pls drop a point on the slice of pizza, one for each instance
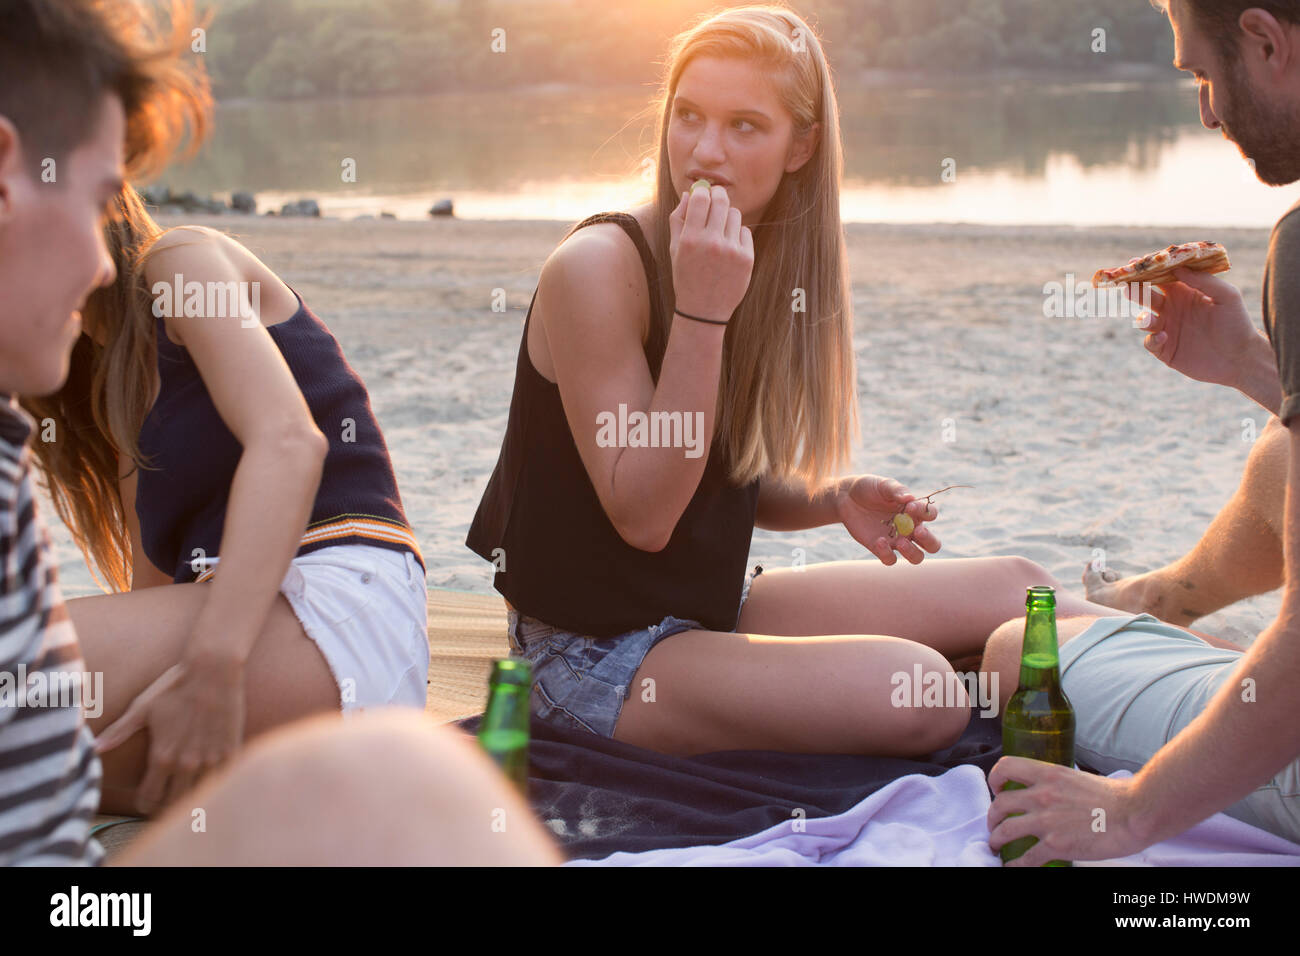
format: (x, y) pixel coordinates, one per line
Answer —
(1158, 267)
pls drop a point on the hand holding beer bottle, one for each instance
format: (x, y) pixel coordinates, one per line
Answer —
(1038, 721)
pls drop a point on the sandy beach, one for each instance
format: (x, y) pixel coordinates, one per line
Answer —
(1073, 436)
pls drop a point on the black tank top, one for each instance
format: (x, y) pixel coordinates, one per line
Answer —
(561, 559)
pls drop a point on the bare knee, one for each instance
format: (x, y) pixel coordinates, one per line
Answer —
(444, 800)
(928, 728)
(1002, 657)
(947, 727)
(1003, 649)
(1027, 573)
(349, 770)
(384, 788)
(360, 757)
(1005, 640)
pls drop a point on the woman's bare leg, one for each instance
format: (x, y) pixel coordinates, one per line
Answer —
(948, 604)
(703, 691)
(827, 658)
(1240, 554)
(387, 788)
(133, 638)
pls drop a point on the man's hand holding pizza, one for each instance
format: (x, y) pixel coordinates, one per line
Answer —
(1198, 325)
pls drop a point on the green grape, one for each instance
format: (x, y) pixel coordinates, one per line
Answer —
(700, 182)
(904, 524)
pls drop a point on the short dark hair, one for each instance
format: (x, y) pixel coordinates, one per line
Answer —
(1220, 18)
(59, 57)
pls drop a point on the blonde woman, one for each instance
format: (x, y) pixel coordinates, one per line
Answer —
(623, 563)
(218, 462)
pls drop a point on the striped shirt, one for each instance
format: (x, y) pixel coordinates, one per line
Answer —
(49, 772)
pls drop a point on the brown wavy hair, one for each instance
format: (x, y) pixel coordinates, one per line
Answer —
(787, 396)
(79, 50)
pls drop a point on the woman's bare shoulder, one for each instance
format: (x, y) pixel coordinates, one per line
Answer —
(598, 262)
(206, 254)
(594, 276)
(207, 242)
(601, 244)
(200, 248)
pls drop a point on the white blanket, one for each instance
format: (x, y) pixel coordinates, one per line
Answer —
(941, 821)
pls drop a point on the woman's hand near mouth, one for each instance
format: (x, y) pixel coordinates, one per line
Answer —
(712, 254)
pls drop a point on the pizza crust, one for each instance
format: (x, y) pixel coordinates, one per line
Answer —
(1158, 267)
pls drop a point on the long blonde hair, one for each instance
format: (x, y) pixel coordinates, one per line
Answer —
(787, 398)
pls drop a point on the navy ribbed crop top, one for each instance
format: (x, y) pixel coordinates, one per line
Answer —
(191, 455)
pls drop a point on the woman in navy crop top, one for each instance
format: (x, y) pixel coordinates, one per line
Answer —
(686, 373)
(218, 461)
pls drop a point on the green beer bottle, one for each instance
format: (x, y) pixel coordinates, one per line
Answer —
(504, 730)
(1038, 721)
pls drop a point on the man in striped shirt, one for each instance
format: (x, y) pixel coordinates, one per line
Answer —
(49, 774)
(55, 180)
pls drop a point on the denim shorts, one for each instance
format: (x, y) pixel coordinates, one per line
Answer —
(581, 682)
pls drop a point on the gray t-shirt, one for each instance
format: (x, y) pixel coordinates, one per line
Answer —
(1282, 307)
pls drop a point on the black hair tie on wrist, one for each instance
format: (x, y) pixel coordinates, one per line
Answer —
(698, 319)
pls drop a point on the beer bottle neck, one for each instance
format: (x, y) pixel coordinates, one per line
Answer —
(507, 708)
(1040, 662)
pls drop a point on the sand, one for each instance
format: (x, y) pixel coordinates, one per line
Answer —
(1073, 436)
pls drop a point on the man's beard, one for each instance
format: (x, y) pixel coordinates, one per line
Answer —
(1270, 139)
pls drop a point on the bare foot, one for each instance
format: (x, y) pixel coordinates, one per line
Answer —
(1140, 594)
(1108, 588)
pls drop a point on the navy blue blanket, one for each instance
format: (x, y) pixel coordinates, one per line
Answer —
(601, 796)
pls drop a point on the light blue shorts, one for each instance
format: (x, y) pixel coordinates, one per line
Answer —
(1135, 682)
(581, 682)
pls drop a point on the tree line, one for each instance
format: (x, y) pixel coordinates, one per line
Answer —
(291, 48)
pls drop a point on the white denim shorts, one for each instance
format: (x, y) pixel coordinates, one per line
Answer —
(366, 609)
